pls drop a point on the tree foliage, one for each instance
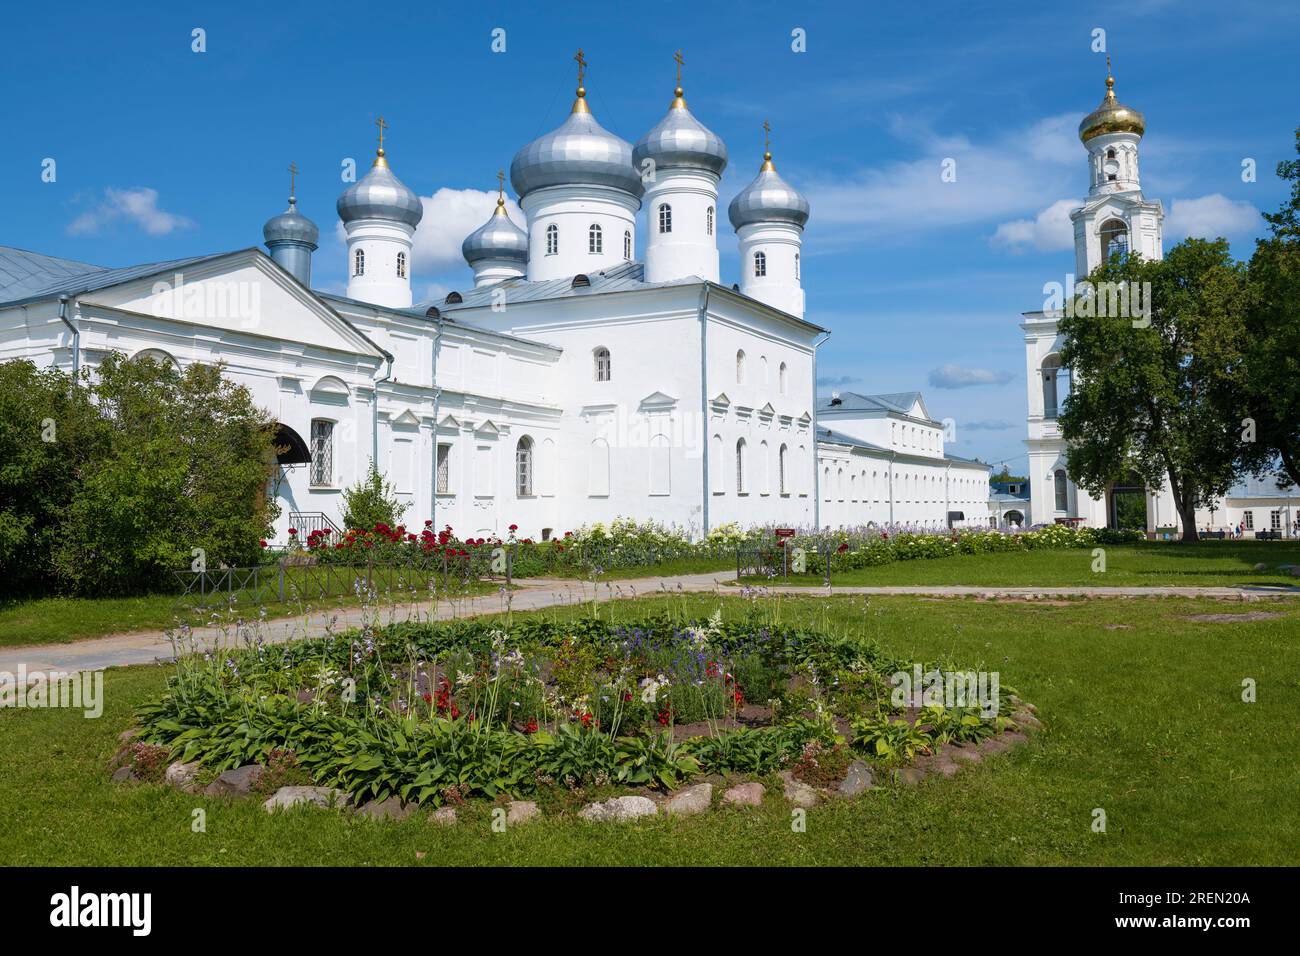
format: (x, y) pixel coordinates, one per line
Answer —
(158, 468)
(1158, 395)
(48, 431)
(1271, 373)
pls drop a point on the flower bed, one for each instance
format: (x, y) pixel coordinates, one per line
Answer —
(438, 714)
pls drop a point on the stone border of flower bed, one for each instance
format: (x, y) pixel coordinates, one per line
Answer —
(242, 782)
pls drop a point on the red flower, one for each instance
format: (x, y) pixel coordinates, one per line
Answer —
(428, 523)
(293, 530)
(514, 527)
(844, 547)
(531, 726)
(264, 542)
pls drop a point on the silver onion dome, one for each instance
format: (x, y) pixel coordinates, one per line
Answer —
(769, 198)
(380, 195)
(579, 152)
(498, 238)
(291, 226)
(680, 141)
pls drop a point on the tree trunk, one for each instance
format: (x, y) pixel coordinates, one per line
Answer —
(1289, 465)
(1187, 512)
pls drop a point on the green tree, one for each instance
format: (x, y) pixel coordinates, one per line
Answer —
(182, 481)
(1271, 367)
(1005, 475)
(372, 500)
(1157, 393)
(49, 429)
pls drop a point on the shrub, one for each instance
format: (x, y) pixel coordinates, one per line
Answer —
(372, 501)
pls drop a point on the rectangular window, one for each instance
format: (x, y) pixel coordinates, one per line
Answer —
(322, 452)
(483, 471)
(1249, 517)
(1275, 519)
(444, 469)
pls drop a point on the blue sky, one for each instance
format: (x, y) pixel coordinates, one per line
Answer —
(163, 152)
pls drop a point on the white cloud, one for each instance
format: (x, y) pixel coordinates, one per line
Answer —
(1050, 231)
(957, 376)
(137, 205)
(1211, 216)
(449, 216)
(1021, 171)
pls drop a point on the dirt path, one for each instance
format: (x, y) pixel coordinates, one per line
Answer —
(146, 647)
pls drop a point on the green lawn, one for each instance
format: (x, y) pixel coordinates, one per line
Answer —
(1205, 564)
(1141, 702)
(58, 620)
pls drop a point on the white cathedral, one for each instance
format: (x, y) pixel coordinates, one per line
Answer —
(592, 370)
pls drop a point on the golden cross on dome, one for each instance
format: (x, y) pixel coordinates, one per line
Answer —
(582, 65)
(382, 126)
(293, 178)
(678, 57)
(767, 141)
(501, 186)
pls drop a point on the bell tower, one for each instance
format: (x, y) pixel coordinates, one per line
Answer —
(1115, 217)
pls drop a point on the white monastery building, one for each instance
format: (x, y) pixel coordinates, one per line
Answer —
(589, 371)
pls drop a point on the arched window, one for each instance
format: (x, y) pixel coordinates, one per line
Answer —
(740, 367)
(359, 263)
(762, 369)
(401, 265)
(524, 467)
(1110, 153)
(783, 378)
(1062, 492)
(1051, 369)
(740, 467)
(601, 356)
(627, 246)
(780, 471)
(665, 217)
(760, 264)
(708, 221)
(552, 239)
(796, 267)
(595, 240)
(1114, 238)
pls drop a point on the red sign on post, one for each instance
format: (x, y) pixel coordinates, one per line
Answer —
(785, 532)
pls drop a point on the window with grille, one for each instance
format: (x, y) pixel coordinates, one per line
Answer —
(552, 240)
(359, 263)
(524, 467)
(601, 356)
(665, 218)
(444, 469)
(627, 246)
(322, 452)
(760, 264)
(401, 265)
(595, 240)
(708, 221)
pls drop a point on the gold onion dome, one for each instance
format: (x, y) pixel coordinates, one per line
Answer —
(1111, 116)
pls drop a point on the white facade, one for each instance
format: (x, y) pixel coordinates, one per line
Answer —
(582, 388)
